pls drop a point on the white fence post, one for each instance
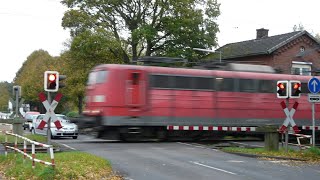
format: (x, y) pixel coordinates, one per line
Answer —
(24, 150)
(33, 155)
(6, 141)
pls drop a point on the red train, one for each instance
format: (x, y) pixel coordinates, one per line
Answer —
(132, 100)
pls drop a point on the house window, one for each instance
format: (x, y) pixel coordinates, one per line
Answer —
(302, 49)
(301, 68)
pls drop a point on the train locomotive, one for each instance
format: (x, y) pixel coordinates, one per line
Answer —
(124, 101)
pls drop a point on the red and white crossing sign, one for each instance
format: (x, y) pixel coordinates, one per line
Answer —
(50, 110)
(289, 119)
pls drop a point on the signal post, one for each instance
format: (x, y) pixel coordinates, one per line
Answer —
(52, 83)
(314, 97)
(286, 90)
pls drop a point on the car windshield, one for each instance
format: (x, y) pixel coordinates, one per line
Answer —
(63, 119)
(30, 115)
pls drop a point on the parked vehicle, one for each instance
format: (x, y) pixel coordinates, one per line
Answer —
(28, 118)
(34, 117)
(68, 129)
(159, 101)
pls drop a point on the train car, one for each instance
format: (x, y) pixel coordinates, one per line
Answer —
(130, 100)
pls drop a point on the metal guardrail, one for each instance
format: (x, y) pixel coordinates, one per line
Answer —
(24, 152)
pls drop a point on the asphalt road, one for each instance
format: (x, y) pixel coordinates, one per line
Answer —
(176, 160)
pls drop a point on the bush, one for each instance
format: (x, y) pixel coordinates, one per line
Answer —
(72, 114)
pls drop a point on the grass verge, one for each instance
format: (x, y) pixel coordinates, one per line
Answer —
(69, 165)
(311, 155)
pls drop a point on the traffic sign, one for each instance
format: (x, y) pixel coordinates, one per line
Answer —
(314, 98)
(314, 85)
(50, 111)
(289, 119)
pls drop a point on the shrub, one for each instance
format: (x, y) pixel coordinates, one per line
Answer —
(72, 114)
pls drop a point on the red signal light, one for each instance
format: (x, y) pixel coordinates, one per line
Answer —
(51, 81)
(295, 89)
(296, 86)
(282, 89)
(52, 77)
(281, 86)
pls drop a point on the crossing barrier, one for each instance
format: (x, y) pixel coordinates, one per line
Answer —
(24, 152)
(299, 137)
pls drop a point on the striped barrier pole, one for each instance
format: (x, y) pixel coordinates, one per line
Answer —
(52, 157)
(15, 146)
(24, 150)
(210, 128)
(6, 148)
(310, 127)
(33, 155)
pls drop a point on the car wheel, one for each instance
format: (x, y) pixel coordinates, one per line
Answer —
(75, 137)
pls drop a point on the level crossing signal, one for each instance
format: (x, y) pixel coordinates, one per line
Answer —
(282, 89)
(53, 81)
(288, 89)
(295, 89)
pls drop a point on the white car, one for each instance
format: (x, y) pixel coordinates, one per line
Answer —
(68, 129)
(28, 119)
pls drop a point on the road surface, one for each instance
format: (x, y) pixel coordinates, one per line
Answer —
(184, 161)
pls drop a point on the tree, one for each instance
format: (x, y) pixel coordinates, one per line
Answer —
(317, 37)
(4, 95)
(87, 49)
(147, 27)
(30, 75)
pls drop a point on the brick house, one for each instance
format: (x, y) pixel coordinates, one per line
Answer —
(291, 53)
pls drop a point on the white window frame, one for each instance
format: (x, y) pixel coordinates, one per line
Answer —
(301, 65)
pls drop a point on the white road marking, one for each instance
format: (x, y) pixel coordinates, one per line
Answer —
(279, 161)
(196, 145)
(210, 167)
(247, 144)
(68, 146)
(127, 178)
(235, 161)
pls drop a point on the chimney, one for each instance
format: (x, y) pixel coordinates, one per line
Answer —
(262, 33)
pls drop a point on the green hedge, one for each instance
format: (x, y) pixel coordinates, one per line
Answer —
(72, 114)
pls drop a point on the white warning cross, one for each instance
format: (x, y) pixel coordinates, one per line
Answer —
(289, 119)
(50, 111)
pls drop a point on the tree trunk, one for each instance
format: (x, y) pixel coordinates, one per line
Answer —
(80, 98)
(149, 46)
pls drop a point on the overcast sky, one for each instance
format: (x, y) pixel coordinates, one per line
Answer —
(29, 25)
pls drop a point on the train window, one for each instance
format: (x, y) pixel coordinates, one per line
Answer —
(267, 86)
(225, 84)
(92, 78)
(182, 82)
(160, 81)
(204, 83)
(101, 76)
(247, 85)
